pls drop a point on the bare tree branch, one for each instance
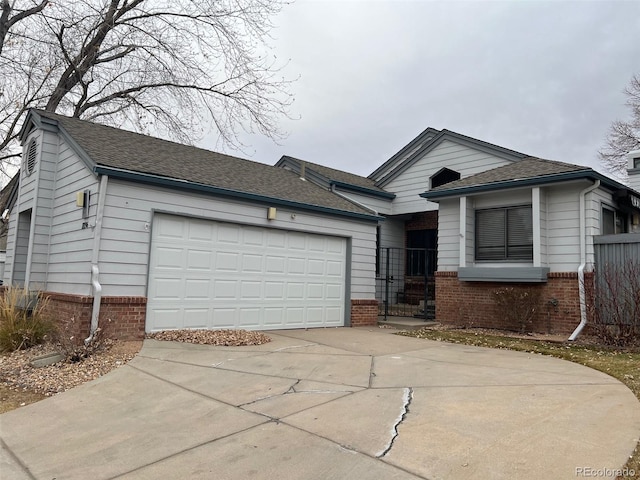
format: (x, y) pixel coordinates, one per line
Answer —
(624, 136)
(174, 68)
(7, 21)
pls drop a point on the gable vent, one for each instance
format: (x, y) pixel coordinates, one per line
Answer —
(32, 153)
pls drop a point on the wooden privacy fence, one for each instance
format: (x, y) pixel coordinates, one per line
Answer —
(617, 279)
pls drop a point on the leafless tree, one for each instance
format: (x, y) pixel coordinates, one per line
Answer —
(176, 68)
(624, 136)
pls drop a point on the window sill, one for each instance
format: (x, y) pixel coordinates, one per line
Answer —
(503, 274)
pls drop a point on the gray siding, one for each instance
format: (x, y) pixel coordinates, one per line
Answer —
(449, 235)
(127, 223)
(22, 248)
(415, 180)
(69, 269)
(43, 210)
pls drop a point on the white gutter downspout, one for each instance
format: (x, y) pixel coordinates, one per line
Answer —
(95, 272)
(583, 260)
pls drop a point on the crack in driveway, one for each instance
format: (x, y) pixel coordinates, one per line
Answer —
(407, 396)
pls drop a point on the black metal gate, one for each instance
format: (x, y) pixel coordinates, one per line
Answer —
(405, 284)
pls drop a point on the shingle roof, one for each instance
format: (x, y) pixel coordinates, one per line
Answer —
(133, 152)
(338, 175)
(527, 168)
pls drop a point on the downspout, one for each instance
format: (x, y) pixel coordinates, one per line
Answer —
(583, 260)
(95, 272)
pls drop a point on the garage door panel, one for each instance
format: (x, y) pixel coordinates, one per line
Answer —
(275, 265)
(274, 291)
(196, 318)
(197, 289)
(250, 290)
(295, 266)
(167, 289)
(225, 290)
(315, 267)
(220, 275)
(273, 317)
(228, 233)
(199, 260)
(201, 232)
(295, 291)
(276, 239)
(315, 291)
(170, 257)
(252, 263)
(166, 318)
(227, 261)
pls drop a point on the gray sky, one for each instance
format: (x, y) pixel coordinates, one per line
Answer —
(543, 78)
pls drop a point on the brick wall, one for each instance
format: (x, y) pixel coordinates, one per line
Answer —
(472, 303)
(120, 317)
(364, 313)
(423, 221)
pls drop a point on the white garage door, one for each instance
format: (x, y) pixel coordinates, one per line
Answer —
(206, 274)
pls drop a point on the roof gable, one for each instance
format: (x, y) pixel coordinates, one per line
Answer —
(148, 159)
(424, 148)
(404, 153)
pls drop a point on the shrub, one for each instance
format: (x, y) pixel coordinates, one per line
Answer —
(74, 347)
(23, 322)
(519, 305)
(616, 304)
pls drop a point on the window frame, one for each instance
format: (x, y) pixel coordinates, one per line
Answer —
(506, 245)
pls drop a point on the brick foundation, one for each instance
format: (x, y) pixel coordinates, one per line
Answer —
(120, 317)
(471, 304)
(364, 313)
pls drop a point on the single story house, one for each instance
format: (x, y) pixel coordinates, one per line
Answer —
(155, 235)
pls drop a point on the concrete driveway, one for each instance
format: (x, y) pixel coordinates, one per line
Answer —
(328, 404)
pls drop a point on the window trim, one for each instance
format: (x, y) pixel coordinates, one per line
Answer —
(506, 257)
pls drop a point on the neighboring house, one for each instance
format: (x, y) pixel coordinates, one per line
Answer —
(633, 169)
(156, 235)
(498, 218)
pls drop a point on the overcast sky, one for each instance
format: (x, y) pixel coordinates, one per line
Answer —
(542, 78)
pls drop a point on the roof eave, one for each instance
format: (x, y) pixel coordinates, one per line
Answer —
(212, 190)
(525, 182)
(367, 191)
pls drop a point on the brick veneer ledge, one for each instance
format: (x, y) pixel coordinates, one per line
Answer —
(471, 304)
(364, 312)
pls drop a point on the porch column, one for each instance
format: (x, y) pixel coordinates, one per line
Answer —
(463, 232)
(537, 233)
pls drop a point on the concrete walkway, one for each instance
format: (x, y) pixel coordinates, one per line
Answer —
(328, 404)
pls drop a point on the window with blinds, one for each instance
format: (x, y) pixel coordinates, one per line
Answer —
(504, 233)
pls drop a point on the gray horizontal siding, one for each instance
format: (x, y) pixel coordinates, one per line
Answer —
(415, 180)
(69, 269)
(128, 219)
